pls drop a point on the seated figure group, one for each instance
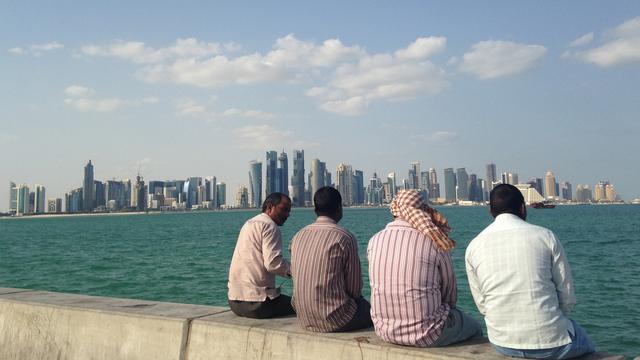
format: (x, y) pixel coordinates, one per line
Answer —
(518, 274)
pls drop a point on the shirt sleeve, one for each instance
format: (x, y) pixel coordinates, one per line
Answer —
(272, 257)
(353, 272)
(561, 276)
(474, 285)
(449, 284)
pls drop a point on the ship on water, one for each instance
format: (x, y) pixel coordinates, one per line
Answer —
(543, 205)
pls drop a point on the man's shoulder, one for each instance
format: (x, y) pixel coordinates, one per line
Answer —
(330, 229)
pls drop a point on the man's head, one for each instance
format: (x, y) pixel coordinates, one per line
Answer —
(507, 199)
(328, 202)
(277, 206)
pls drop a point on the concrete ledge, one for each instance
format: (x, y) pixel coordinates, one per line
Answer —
(47, 325)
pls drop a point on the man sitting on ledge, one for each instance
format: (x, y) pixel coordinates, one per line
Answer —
(257, 259)
(327, 279)
(521, 282)
(413, 285)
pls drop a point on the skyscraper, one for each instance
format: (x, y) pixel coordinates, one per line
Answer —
(345, 183)
(88, 196)
(282, 178)
(610, 193)
(393, 186)
(434, 187)
(242, 197)
(13, 197)
(211, 195)
(221, 191)
(39, 197)
(424, 180)
(22, 199)
(565, 190)
(536, 183)
(462, 189)
(550, 185)
(449, 185)
(414, 175)
(318, 171)
(255, 184)
(374, 193)
(583, 193)
(491, 176)
(358, 188)
(271, 172)
(297, 179)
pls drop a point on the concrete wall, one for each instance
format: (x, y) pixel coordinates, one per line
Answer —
(48, 325)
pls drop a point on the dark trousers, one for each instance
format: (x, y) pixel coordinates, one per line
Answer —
(270, 308)
(362, 318)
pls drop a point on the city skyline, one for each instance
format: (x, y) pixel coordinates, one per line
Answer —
(357, 188)
(200, 88)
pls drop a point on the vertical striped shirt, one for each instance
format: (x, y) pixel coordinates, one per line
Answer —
(326, 275)
(413, 285)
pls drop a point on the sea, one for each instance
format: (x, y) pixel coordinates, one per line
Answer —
(184, 257)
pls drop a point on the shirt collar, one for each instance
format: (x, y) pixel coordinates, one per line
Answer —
(507, 218)
(325, 220)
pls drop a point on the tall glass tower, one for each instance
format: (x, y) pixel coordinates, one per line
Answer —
(462, 179)
(272, 170)
(282, 176)
(255, 183)
(449, 185)
(297, 178)
(87, 188)
(318, 170)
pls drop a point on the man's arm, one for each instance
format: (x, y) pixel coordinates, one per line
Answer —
(272, 257)
(561, 276)
(448, 277)
(474, 285)
(353, 272)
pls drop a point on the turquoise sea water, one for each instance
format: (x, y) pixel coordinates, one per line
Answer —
(184, 257)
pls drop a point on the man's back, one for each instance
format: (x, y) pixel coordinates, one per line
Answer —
(326, 274)
(413, 285)
(521, 281)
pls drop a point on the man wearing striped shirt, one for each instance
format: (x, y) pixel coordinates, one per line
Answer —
(327, 280)
(521, 282)
(413, 285)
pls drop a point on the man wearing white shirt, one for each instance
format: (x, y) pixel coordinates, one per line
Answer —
(521, 282)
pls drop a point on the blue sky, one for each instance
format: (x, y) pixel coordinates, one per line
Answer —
(199, 89)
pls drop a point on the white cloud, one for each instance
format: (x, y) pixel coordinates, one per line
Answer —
(622, 47)
(422, 48)
(255, 114)
(582, 40)
(81, 98)
(343, 79)
(189, 107)
(262, 137)
(78, 91)
(492, 59)
(36, 49)
(17, 51)
(138, 52)
(97, 105)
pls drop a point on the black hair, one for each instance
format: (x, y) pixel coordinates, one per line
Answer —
(505, 198)
(273, 199)
(327, 201)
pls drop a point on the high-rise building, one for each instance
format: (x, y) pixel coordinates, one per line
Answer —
(22, 199)
(475, 191)
(99, 194)
(434, 187)
(242, 197)
(374, 193)
(462, 188)
(610, 193)
(191, 191)
(565, 190)
(38, 201)
(271, 172)
(282, 176)
(424, 180)
(345, 183)
(583, 193)
(54, 205)
(255, 184)
(221, 191)
(74, 201)
(115, 195)
(317, 180)
(510, 178)
(491, 177)
(358, 188)
(139, 190)
(13, 197)
(536, 183)
(449, 185)
(550, 185)
(88, 195)
(393, 186)
(414, 175)
(297, 179)
(211, 195)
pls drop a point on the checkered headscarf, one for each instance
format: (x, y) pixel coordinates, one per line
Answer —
(409, 206)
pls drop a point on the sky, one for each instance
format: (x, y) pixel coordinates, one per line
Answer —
(200, 88)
